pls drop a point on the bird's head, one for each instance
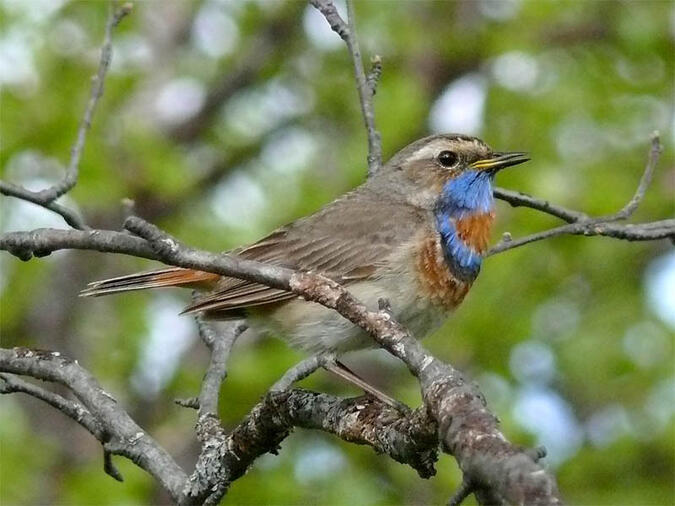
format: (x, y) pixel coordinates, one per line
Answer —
(445, 168)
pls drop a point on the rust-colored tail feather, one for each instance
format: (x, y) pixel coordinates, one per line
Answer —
(174, 276)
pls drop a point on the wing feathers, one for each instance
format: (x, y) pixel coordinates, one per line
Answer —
(344, 241)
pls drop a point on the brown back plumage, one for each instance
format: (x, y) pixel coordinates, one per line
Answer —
(345, 241)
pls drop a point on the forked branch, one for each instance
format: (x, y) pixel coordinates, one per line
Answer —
(46, 197)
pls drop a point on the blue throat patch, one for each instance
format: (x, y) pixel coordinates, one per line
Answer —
(469, 193)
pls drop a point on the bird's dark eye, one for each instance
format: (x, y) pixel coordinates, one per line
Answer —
(447, 158)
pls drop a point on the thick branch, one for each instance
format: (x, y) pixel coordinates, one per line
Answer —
(468, 430)
(407, 439)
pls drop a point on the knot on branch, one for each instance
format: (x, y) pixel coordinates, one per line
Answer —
(161, 242)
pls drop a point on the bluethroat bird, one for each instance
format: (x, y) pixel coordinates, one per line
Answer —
(414, 233)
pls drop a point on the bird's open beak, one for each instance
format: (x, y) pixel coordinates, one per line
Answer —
(499, 161)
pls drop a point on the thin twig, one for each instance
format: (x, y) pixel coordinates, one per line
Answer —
(109, 466)
(365, 87)
(650, 231)
(519, 199)
(70, 216)
(582, 224)
(46, 197)
(645, 180)
(50, 194)
(73, 409)
(301, 370)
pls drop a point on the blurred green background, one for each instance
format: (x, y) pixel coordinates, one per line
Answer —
(222, 120)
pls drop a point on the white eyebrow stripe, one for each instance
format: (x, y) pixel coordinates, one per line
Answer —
(430, 150)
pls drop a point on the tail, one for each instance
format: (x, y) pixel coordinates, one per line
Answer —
(174, 276)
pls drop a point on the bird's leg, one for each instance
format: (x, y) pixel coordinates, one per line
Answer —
(341, 370)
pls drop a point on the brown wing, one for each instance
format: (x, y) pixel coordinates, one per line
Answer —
(346, 241)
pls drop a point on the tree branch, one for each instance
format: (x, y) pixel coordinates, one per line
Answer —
(301, 370)
(407, 439)
(72, 409)
(119, 433)
(221, 346)
(664, 229)
(518, 199)
(46, 197)
(446, 393)
(455, 412)
(581, 224)
(365, 85)
(489, 462)
(646, 179)
(70, 216)
(466, 427)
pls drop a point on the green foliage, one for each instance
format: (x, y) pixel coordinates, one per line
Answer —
(581, 85)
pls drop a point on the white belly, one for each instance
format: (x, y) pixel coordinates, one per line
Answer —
(315, 328)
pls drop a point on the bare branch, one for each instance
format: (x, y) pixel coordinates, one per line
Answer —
(518, 199)
(121, 434)
(50, 194)
(664, 229)
(70, 216)
(301, 370)
(454, 412)
(582, 224)
(484, 454)
(44, 241)
(468, 430)
(72, 409)
(221, 347)
(46, 197)
(366, 86)
(109, 467)
(407, 439)
(646, 179)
